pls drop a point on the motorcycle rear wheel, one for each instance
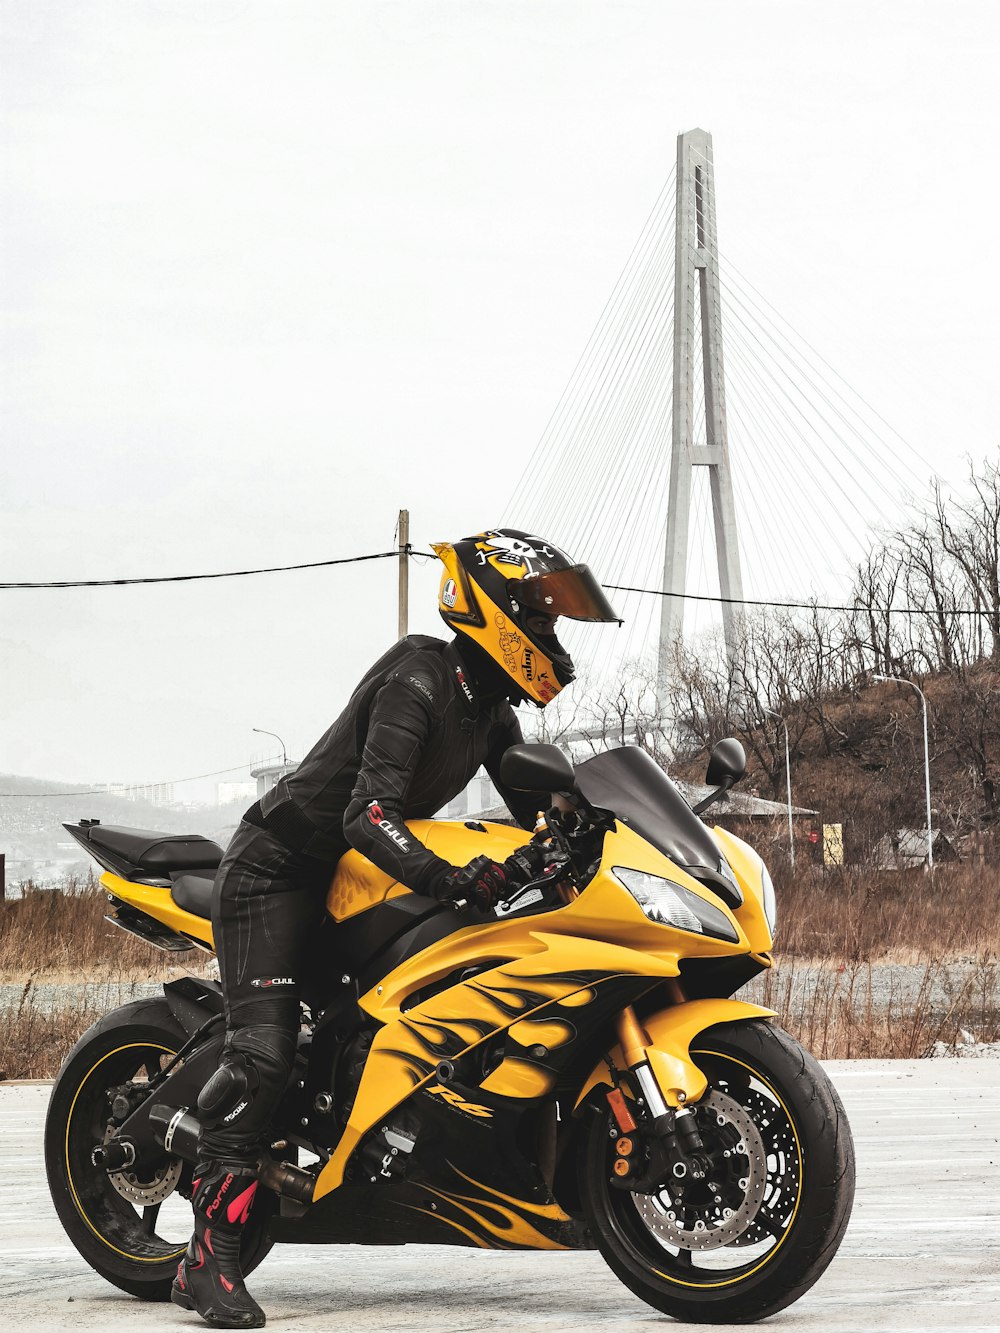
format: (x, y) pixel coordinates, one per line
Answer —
(117, 1236)
(688, 1259)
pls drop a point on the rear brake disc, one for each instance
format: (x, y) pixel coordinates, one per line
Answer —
(159, 1186)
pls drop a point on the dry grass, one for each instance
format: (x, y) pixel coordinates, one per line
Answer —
(61, 933)
(49, 936)
(849, 1015)
(34, 1042)
(856, 916)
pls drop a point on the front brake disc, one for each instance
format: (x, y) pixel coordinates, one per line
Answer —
(717, 1217)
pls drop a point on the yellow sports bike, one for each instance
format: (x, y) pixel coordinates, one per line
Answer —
(566, 1072)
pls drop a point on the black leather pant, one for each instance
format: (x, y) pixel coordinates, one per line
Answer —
(268, 903)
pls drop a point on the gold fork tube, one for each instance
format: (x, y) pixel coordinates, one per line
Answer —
(632, 1037)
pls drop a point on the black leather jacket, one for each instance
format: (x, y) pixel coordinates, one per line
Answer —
(416, 730)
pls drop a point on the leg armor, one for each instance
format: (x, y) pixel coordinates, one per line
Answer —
(236, 1104)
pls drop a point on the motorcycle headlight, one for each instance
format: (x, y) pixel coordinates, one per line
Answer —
(671, 904)
(770, 901)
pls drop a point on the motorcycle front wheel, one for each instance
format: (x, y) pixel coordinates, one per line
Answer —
(133, 1226)
(760, 1230)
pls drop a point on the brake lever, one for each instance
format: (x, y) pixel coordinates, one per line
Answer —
(552, 872)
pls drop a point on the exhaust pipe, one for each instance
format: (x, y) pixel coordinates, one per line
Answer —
(177, 1130)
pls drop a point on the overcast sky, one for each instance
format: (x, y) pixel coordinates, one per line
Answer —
(272, 271)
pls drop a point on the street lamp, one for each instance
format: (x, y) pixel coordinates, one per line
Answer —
(284, 753)
(901, 680)
(788, 784)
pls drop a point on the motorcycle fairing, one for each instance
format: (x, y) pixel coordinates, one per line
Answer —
(547, 959)
(155, 901)
(467, 1183)
(458, 1209)
(525, 998)
(749, 870)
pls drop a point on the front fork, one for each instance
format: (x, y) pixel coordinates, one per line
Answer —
(663, 1087)
(666, 1122)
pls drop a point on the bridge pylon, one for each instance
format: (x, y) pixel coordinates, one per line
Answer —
(696, 277)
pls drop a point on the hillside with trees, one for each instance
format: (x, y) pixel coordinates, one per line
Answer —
(925, 607)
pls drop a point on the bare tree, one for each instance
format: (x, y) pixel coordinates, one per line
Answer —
(970, 533)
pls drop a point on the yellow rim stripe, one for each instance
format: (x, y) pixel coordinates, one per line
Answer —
(136, 1258)
(704, 1286)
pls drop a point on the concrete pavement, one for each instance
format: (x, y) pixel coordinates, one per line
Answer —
(922, 1251)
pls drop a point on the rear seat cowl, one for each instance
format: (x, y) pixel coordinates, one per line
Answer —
(157, 852)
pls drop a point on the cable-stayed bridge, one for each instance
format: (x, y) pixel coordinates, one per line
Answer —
(703, 445)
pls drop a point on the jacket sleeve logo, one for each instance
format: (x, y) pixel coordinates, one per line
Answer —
(390, 830)
(421, 686)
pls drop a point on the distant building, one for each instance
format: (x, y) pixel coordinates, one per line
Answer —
(268, 771)
(226, 793)
(154, 793)
(476, 801)
(906, 849)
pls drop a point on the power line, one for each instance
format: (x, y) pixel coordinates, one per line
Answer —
(191, 578)
(103, 791)
(800, 606)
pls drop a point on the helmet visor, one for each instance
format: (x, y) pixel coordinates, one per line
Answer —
(570, 592)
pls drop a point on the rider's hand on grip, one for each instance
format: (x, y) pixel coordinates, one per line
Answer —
(482, 881)
(526, 864)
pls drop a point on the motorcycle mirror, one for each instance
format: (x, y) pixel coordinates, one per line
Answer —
(537, 768)
(727, 763)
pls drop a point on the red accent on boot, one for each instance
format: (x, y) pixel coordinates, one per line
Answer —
(241, 1205)
(208, 1242)
(225, 1282)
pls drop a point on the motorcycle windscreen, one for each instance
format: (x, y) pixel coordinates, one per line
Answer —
(638, 792)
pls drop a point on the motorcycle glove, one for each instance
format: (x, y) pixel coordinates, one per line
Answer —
(487, 882)
(482, 882)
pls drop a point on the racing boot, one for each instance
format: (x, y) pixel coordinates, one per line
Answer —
(209, 1280)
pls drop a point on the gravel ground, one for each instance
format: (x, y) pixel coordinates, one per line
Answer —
(103, 995)
(896, 984)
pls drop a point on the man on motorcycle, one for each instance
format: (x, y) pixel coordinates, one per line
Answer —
(420, 724)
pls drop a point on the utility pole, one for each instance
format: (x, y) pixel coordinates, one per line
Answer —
(284, 753)
(788, 786)
(404, 572)
(3, 877)
(901, 680)
(696, 270)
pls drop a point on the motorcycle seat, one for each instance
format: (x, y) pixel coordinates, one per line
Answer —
(193, 892)
(157, 853)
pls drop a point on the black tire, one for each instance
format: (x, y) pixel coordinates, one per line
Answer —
(805, 1185)
(106, 1228)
